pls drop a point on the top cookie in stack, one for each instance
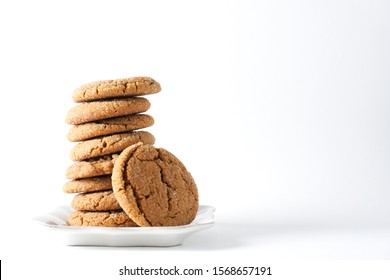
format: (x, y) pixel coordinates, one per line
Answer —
(106, 122)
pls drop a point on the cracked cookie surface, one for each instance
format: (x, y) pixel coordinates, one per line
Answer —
(96, 201)
(134, 86)
(109, 144)
(109, 126)
(88, 185)
(101, 219)
(99, 110)
(91, 167)
(153, 187)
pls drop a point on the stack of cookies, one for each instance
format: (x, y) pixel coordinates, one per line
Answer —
(106, 122)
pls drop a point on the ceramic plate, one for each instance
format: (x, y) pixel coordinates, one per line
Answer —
(125, 236)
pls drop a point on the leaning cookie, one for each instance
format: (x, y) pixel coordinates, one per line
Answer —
(109, 144)
(100, 219)
(95, 129)
(134, 86)
(153, 187)
(99, 110)
(96, 201)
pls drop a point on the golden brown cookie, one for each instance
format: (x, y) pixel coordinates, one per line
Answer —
(100, 219)
(88, 185)
(94, 129)
(116, 88)
(109, 144)
(153, 187)
(96, 201)
(91, 167)
(99, 110)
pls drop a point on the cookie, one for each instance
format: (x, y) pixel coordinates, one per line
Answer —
(96, 201)
(100, 219)
(116, 88)
(88, 185)
(109, 144)
(153, 187)
(91, 167)
(94, 129)
(99, 110)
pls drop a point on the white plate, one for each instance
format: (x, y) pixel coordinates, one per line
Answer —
(125, 236)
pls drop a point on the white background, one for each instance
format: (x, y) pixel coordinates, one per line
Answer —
(279, 109)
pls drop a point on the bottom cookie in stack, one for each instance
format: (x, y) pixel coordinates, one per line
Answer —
(100, 219)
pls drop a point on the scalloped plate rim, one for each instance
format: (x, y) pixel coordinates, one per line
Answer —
(138, 236)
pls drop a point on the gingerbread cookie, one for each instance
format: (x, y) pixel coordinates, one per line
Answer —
(88, 185)
(99, 110)
(153, 187)
(91, 167)
(101, 219)
(109, 144)
(96, 201)
(116, 88)
(94, 129)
